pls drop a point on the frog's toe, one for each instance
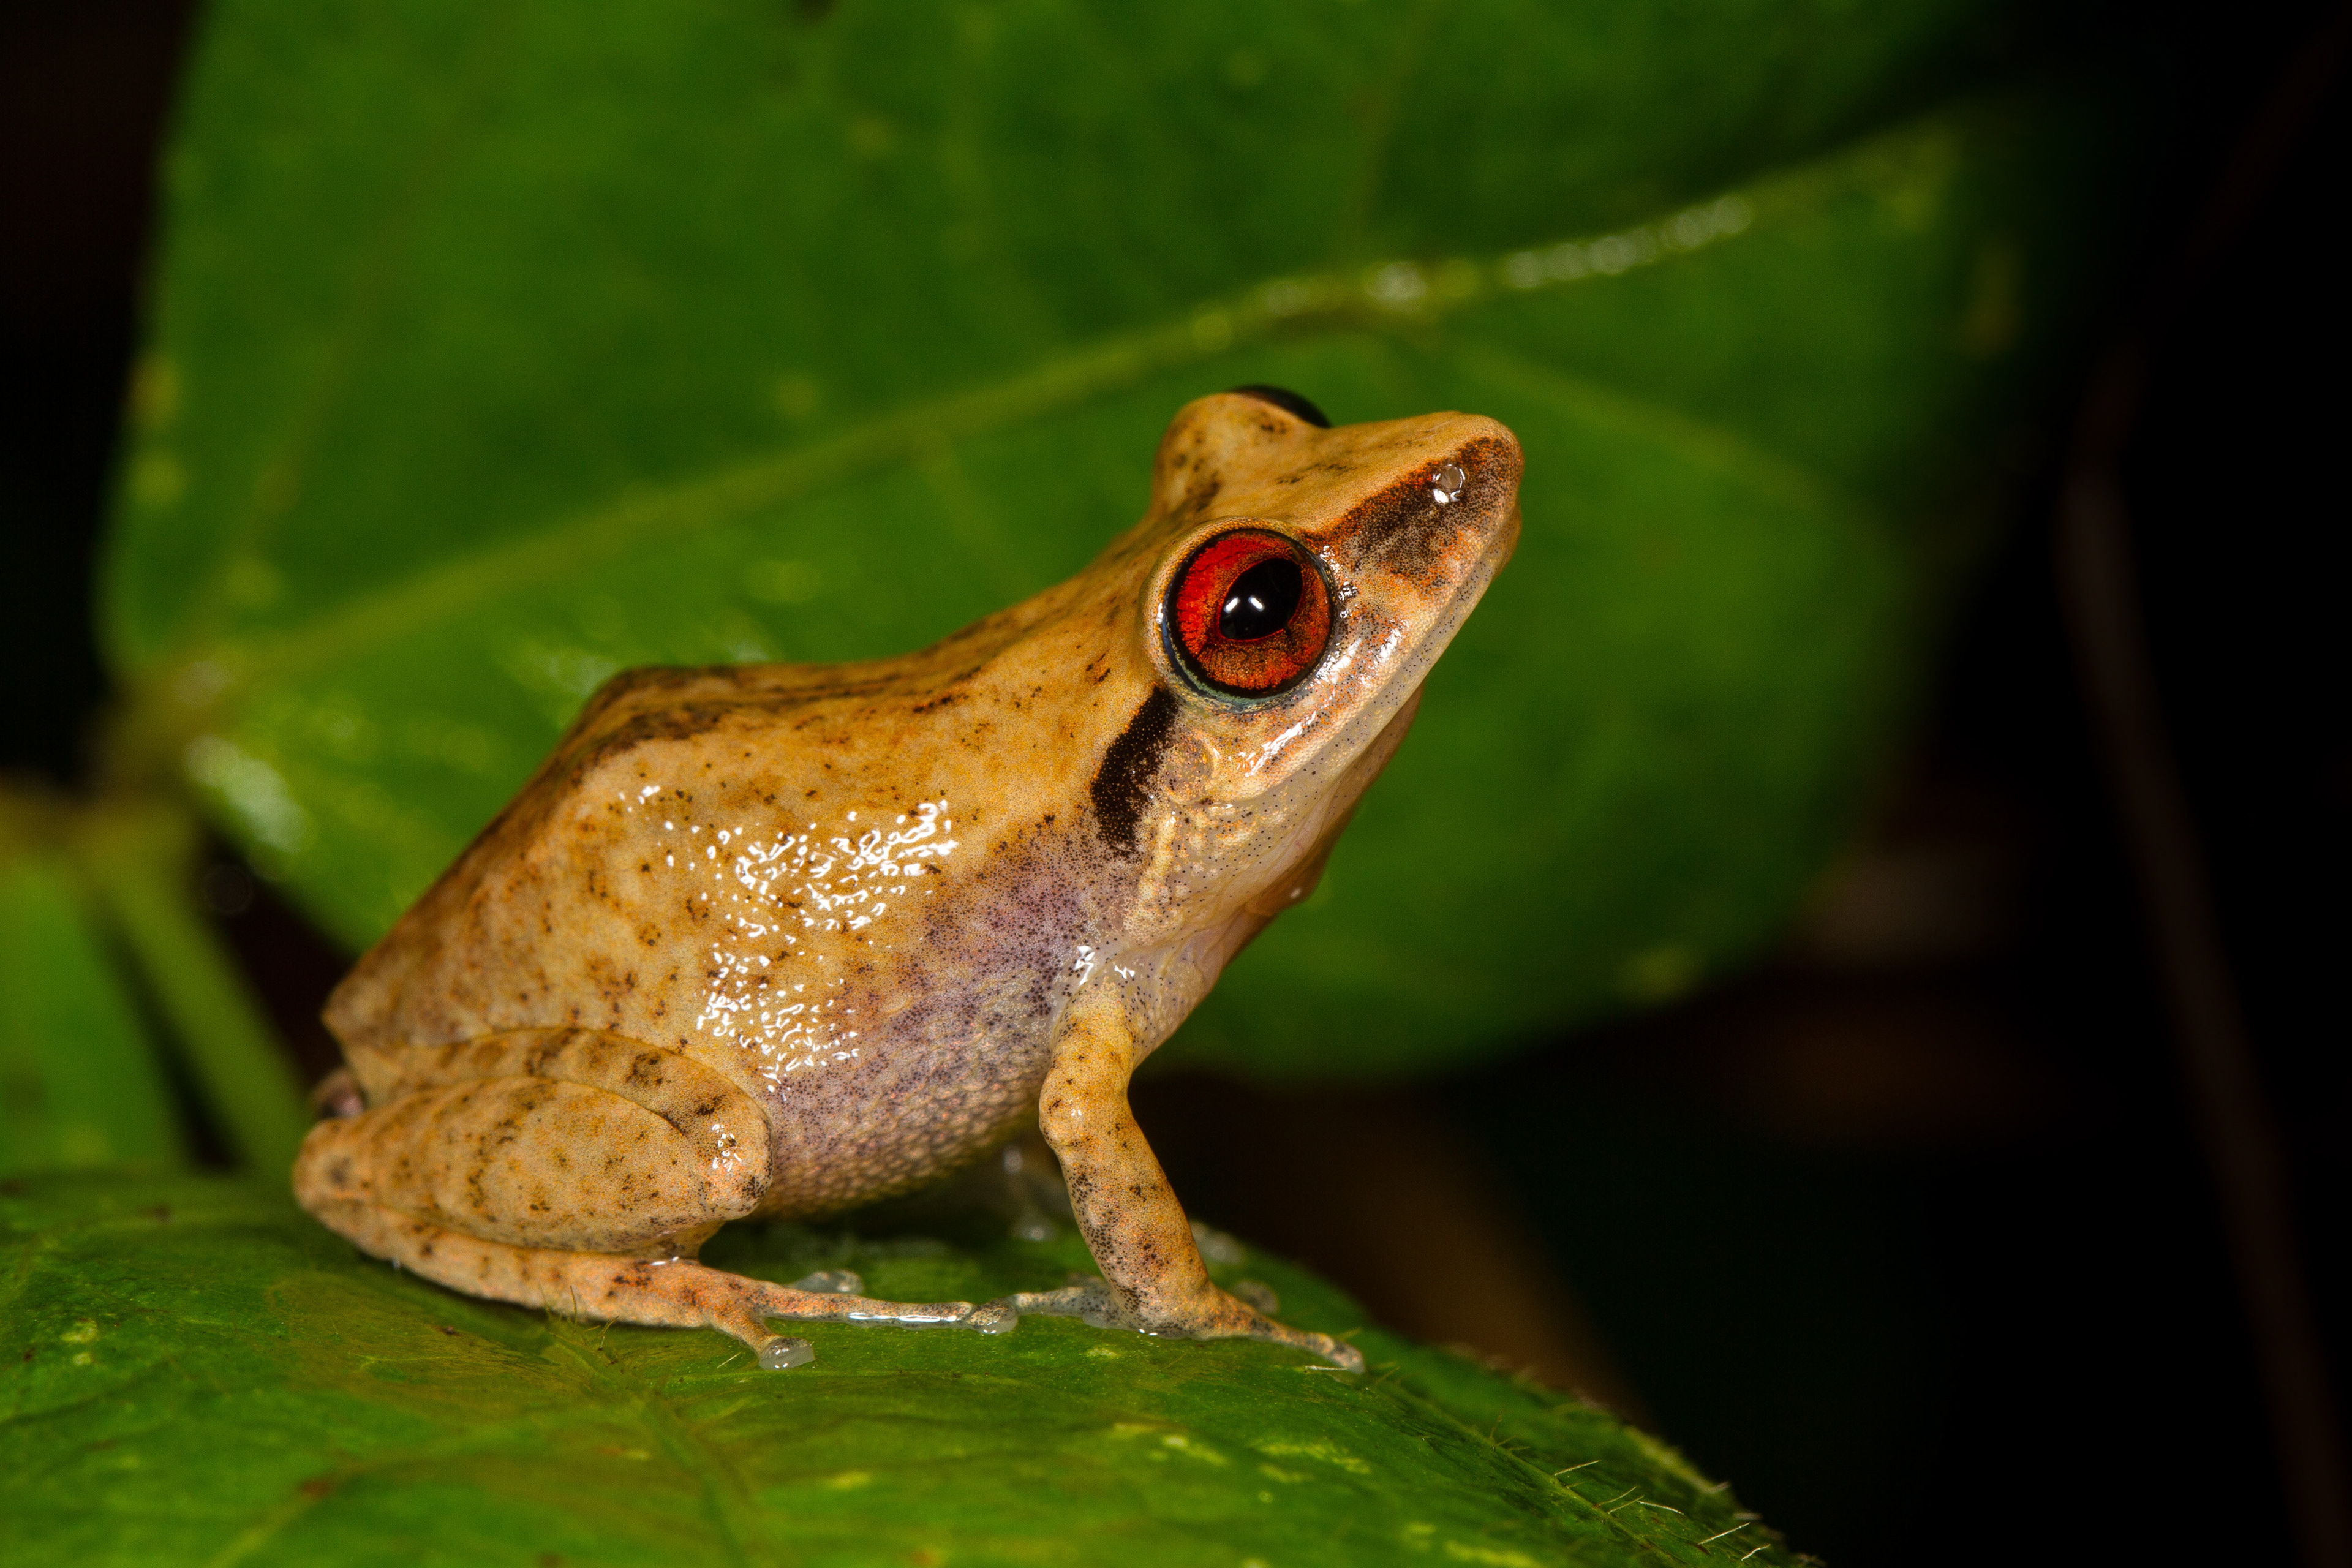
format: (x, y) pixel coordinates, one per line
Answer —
(997, 1316)
(831, 1297)
(742, 1314)
(1092, 1300)
(1258, 1325)
(1089, 1301)
(743, 1308)
(781, 1352)
(1257, 1303)
(1339, 1352)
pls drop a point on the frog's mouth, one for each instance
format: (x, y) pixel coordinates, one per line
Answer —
(1321, 828)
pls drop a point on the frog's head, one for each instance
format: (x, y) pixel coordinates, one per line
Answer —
(1296, 584)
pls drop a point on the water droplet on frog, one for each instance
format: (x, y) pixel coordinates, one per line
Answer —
(782, 1354)
(833, 1282)
(1447, 486)
(994, 1318)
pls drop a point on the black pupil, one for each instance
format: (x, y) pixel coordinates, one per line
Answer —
(1262, 601)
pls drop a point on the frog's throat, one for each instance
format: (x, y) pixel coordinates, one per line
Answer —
(1225, 907)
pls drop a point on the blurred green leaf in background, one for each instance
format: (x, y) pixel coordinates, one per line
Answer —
(497, 347)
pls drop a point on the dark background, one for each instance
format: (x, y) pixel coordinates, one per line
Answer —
(1909, 1232)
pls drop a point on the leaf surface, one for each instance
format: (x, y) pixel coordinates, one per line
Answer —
(197, 1373)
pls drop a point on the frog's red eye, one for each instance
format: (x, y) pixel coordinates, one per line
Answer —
(1249, 614)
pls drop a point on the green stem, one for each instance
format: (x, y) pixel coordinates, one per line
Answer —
(139, 861)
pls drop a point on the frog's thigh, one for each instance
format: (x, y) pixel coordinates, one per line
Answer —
(587, 1148)
(537, 1186)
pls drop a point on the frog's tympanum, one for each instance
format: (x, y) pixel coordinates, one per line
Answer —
(779, 940)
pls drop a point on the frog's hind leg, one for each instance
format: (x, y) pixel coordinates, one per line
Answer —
(598, 1287)
(572, 1170)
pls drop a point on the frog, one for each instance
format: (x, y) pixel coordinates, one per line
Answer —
(778, 941)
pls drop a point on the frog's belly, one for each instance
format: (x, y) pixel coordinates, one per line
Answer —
(893, 1018)
(887, 1110)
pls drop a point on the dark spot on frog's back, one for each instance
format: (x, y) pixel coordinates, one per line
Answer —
(677, 723)
(654, 682)
(1123, 785)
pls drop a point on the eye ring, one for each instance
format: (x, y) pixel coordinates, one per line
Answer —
(1248, 614)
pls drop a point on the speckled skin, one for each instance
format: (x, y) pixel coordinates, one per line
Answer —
(782, 939)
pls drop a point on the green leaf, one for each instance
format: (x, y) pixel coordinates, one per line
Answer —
(194, 1372)
(500, 347)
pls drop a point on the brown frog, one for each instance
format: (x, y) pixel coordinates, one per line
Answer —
(783, 939)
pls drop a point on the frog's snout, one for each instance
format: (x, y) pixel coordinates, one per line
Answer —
(1452, 518)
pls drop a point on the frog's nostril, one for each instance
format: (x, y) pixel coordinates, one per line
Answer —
(1288, 401)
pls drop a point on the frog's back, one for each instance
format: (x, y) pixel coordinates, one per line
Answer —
(850, 889)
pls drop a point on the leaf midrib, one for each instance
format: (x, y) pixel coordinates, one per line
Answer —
(903, 435)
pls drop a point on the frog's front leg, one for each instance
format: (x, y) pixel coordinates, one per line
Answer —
(573, 1170)
(1153, 1281)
